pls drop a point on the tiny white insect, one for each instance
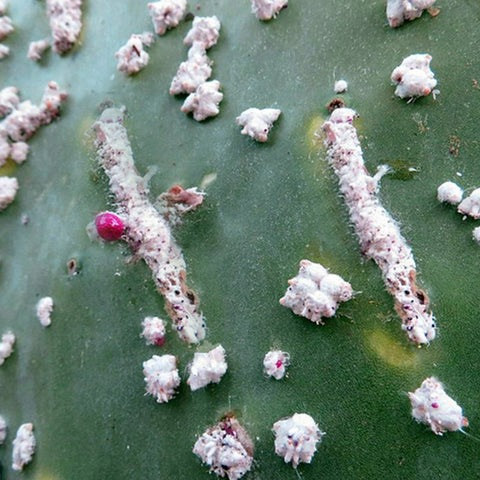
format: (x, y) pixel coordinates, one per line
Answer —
(433, 407)
(257, 122)
(23, 446)
(153, 331)
(205, 31)
(166, 14)
(275, 364)
(207, 368)
(476, 234)
(340, 86)
(314, 293)
(3, 430)
(132, 57)
(296, 438)
(268, 9)
(203, 103)
(6, 346)
(37, 49)
(226, 448)
(414, 77)
(161, 377)
(8, 191)
(44, 309)
(449, 192)
(471, 205)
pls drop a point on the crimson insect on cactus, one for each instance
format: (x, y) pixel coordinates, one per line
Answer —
(109, 226)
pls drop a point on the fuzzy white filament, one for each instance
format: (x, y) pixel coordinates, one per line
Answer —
(226, 448)
(379, 235)
(296, 438)
(23, 446)
(207, 368)
(433, 407)
(147, 232)
(161, 377)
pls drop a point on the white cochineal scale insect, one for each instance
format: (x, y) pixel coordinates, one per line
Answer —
(378, 233)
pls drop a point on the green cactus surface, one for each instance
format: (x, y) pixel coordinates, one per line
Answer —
(267, 206)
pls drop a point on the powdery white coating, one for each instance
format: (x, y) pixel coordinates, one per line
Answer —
(400, 10)
(4, 51)
(203, 103)
(65, 23)
(161, 377)
(147, 232)
(314, 293)
(379, 235)
(268, 9)
(3, 430)
(6, 26)
(37, 49)
(433, 407)
(166, 14)
(8, 191)
(340, 86)
(449, 192)
(296, 438)
(44, 310)
(153, 331)
(8, 100)
(226, 448)
(413, 76)
(205, 31)
(23, 446)
(177, 201)
(257, 123)
(3, 6)
(275, 364)
(132, 57)
(471, 205)
(193, 72)
(207, 368)
(6, 346)
(476, 234)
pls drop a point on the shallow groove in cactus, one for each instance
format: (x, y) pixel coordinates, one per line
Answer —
(80, 381)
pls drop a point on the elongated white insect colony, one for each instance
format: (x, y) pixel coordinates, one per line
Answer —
(379, 235)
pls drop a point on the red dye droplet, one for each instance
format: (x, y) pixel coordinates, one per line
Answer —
(109, 226)
(159, 341)
(279, 363)
(435, 405)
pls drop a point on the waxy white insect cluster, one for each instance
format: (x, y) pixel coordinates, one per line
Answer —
(379, 235)
(8, 191)
(177, 201)
(65, 23)
(226, 448)
(268, 9)
(132, 57)
(6, 28)
(166, 14)
(23, 446)
(296, 438)
(449, 192)
(257, 122)
(6, 346)
(44, 310)
(161, 377)
(340, 86)
(314, 293)
(153, 331)
(147, 232)
(400, 10)
(433, 407)
(275, 364)
(413, 77)
(37, 49)
(207, 368)
(192, 75)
